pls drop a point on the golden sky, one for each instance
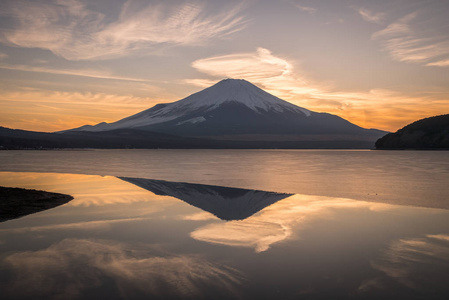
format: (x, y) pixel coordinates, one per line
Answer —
(66, 63)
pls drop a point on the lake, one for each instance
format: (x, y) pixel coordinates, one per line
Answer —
(229, 224)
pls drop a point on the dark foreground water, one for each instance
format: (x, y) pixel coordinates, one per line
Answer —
(187, 235)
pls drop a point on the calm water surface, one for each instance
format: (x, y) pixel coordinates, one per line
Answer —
(156, 224)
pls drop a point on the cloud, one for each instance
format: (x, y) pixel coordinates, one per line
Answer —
(371, 17)
(260, 67)
(416, 38)
(90, 73)
(398, 28)
(307, 9)
(45, 96)
(71, 267)
(441, 63)
(3, 56)
(379, 108)
(69, 29)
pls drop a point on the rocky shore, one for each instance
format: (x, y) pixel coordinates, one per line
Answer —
(17, 202)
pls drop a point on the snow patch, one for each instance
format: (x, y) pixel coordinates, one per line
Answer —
(192, 121)
(240, 91)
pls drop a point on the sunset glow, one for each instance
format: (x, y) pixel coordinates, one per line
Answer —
(67, 63)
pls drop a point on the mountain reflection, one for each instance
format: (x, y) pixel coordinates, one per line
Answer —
(224, 202)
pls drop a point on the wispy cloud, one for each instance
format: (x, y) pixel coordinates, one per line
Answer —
(70, 29)
(375, 108)
(73, 97)
(440, 63)
(3, 56)
(307, 9)
(260, 67)
(91, 73)
(415, 38)
(370, 16)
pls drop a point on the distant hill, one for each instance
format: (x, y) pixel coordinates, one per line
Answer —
(14, 139)
(428, 133)
(113, 139)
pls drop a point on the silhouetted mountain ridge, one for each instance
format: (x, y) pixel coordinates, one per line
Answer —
(143, 139)
(428, 133)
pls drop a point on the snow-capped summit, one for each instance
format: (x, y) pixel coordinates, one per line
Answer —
(241, 91)
(233, 107)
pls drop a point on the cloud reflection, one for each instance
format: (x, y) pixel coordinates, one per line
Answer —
(72, 267)
(276, 223)
(201, 216)
(89, 226)
(252, 233)
(417, 263)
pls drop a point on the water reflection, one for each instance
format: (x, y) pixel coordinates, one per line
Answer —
(277, 222)
(73, 267)
(407, 261)
(224, 202)
(131, 238)
(87, 190)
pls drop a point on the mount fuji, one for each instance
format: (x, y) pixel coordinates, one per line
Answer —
(235, 109)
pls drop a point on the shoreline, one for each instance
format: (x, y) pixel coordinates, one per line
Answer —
(17, 202)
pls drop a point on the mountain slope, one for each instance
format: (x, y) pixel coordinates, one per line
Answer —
(227, 91)
(234, 107)
(428, 133)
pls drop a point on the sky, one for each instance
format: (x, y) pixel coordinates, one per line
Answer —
(67, 63)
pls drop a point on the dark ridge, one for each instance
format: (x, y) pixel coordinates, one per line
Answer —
(426, 134)
(13, 139)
